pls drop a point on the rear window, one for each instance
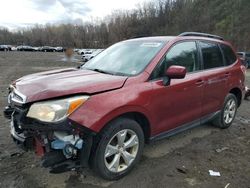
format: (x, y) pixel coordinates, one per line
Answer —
(229, 54)
(211, 54)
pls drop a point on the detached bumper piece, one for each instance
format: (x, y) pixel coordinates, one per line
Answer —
(63, 146)
(8, 112)
(68, 158)
(247, 95)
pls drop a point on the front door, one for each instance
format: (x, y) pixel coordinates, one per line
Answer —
(180, 102)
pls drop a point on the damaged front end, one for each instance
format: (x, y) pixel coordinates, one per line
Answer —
(63, 144)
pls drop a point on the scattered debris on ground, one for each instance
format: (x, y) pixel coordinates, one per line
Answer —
(214, 173)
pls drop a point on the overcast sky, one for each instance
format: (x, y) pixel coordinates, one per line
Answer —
(22, 13)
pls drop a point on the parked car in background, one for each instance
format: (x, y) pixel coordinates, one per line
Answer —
(48, 49)
(85, 51)
(5, 48)
(245, 58)
(37, 49)
(13, 48)
(76, 50)
(80, 51)
(25, 48)
(134, 92)
(9, 47)
(60, 49)
(86, 57)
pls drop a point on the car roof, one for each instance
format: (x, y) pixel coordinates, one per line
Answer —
(155, 38)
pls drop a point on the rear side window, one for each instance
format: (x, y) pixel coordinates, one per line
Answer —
(211, 54)
(229, 55)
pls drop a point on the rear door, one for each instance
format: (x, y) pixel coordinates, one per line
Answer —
(214, 76)
(180, 102)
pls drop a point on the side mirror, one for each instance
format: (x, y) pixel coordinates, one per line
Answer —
(174, 72)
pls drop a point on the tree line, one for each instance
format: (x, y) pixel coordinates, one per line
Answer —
(228, 18)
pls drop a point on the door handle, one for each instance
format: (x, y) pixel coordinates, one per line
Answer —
(227, 74)
(199, 82)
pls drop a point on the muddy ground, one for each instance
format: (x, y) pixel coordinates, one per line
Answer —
(180, 161)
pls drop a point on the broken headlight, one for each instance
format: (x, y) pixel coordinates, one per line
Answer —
(55, 110)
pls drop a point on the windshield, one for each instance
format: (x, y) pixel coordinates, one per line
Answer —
(125, 58)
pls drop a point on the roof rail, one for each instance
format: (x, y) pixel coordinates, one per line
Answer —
(201, 35)
(139, 36)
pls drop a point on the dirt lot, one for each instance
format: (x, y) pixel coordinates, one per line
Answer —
(180, 161)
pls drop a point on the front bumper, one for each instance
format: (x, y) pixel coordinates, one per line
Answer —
(31, 134)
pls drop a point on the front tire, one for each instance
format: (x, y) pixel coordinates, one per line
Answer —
(228, 112)
(119, 149)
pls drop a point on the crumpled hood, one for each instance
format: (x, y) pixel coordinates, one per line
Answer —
(63, 82)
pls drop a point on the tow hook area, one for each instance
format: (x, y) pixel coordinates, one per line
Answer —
(67, 152)
(69, 144)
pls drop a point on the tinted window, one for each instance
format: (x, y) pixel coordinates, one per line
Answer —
(182, 54)
(212, 56)
(228, 54)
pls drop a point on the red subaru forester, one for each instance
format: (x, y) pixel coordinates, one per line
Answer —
(139, 90)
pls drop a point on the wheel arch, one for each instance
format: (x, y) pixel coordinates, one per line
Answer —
(238, 93)
(139, 117)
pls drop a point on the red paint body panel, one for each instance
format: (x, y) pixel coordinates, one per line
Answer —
(166, 107)
(39, 148)
(176, 104)
(64, 82)
(101, 108)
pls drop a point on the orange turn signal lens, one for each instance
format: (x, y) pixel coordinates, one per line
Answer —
(74, 104)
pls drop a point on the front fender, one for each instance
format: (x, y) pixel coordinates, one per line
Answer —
(102, 108)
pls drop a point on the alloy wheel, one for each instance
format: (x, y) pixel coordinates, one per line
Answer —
(121, 150)
(230, 110)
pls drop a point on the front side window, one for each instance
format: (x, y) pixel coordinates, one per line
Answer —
(125, 58)
(183, 54)
(211, 54)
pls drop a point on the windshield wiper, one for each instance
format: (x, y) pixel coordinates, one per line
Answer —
(102, 71)
(107, 72)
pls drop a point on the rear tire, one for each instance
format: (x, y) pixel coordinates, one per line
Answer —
(228, 112)
(119, 149)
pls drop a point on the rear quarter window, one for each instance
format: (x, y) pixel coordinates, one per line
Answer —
(229, 54)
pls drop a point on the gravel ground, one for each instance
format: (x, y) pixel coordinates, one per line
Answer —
(180, 161)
